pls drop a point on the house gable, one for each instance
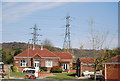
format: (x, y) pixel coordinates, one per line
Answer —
(112, 68)
(115, 59)
(36, 56)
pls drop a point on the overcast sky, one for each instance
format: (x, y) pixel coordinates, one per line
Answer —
(19, 17)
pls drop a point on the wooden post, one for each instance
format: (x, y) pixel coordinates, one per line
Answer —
(78, 70)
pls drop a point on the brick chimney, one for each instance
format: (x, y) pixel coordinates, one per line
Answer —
(41, 46)
(33, 46)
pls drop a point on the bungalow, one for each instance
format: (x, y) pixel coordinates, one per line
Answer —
(87, 64)
(43, 58)
(112, 68)
(84, 65)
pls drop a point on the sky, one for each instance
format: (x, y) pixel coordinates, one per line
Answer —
(19, 17)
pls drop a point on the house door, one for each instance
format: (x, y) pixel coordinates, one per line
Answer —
(65, 66)
(36, 64)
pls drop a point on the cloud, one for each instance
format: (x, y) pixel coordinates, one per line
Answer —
(61, 0)
(15, 11)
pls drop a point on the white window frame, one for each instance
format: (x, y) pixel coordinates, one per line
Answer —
(36, 63)
(23, 63)
(48, 63)
(65, 66)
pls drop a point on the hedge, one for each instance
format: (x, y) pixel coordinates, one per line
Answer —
(43, 68)
(56, 70)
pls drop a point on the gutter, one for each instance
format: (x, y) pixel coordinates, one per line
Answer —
(22, 57)
(41, 57)
(51, 57)
(112, 63)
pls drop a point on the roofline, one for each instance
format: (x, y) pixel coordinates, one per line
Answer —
(116, 57)
(87, 64)
(112, 63)
(36, 54)
(41, 57)
(67, 59)
(51, 57)
(49, 51)
(22, 57)
(60, 52)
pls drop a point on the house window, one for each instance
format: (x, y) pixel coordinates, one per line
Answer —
(23, 63)
(36, 63)
(48, 63)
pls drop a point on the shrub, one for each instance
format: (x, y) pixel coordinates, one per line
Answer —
(43, 68)
(14, 68)
(56, 70)
(74, 67)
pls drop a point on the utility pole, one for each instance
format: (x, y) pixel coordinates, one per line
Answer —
(28, 56)
(35, 36)
(67, 42)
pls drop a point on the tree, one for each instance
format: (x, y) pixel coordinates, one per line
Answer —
(97, 41)
(17, 52)
(3, 56)
(47, 42)
(7, 56)
(112, 53)
(0, 55)
(81, 51)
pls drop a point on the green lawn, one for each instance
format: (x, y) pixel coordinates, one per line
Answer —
(17, 74)
(62, 76)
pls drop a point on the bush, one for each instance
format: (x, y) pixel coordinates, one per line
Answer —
(43, 68)
(14, 68)
(56, 70)
(74, 67)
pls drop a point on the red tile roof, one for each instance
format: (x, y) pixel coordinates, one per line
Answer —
(63, 55)
(87, 60)
(25, 53)
(113, 59)
(44, 53)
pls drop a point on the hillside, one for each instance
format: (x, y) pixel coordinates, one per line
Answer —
(14, 45)
(22, 46)
(9, 50)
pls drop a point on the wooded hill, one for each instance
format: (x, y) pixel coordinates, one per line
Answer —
(14, 46)
(9, 50)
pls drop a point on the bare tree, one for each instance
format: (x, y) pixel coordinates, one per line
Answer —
(97, 41)
(47, 42)
(82, 53)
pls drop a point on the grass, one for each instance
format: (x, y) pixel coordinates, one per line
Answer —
(62, 76)
(17, 74)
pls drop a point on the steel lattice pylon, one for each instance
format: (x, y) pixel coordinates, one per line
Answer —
(35, 35)
(67, 42)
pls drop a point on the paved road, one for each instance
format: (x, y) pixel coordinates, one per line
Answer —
(43, 80)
